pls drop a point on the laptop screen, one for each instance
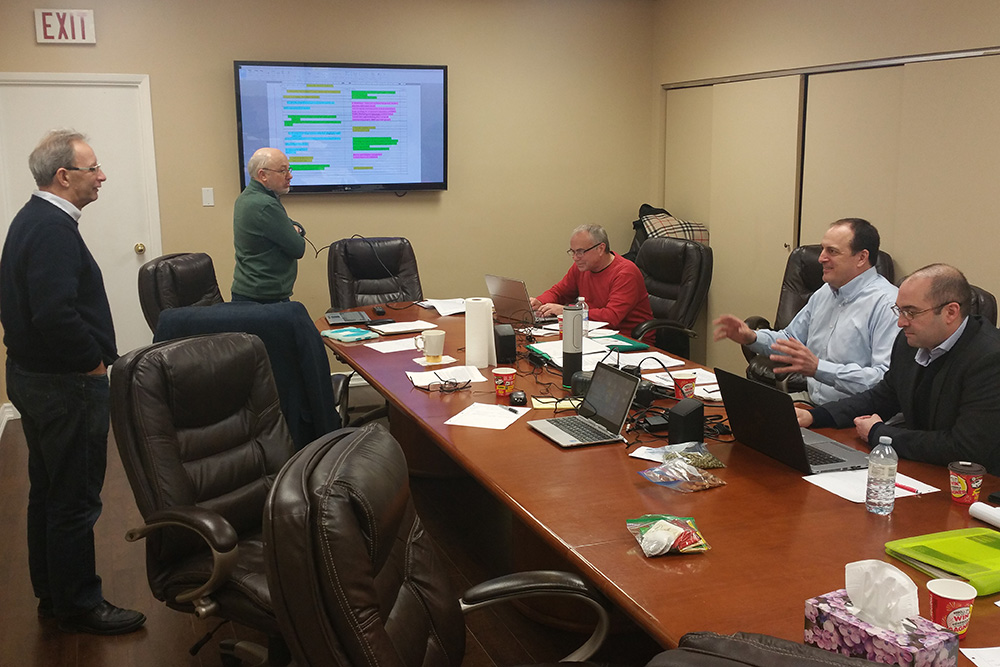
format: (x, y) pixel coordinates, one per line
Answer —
(510, 298)
(609, 397)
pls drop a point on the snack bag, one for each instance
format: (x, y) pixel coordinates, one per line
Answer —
(659, 534)
(678, 475)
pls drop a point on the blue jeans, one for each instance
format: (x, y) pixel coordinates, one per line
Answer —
(65, 419)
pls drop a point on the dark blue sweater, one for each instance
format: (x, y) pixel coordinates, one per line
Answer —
(53, 306)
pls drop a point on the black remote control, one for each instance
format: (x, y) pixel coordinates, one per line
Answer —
(379, 310)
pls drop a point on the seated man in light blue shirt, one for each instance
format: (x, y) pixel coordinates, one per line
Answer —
(842, 339)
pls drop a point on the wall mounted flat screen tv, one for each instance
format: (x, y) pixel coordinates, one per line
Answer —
(347, 127)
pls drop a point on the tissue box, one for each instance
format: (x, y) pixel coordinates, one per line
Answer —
(830, 625)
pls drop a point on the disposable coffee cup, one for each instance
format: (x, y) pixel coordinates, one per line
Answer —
(503, 378)
(683, 384)
(951, 604)
(432, 344)
(966, 479)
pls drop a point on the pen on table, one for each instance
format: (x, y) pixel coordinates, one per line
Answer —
(507, 407)
(904, 487)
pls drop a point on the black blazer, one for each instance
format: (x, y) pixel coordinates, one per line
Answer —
(964, 415)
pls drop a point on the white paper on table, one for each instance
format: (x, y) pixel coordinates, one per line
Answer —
(602, 333)
(396, 345)
(553, 349)
(444, 306)
(459, 374)
(445, 359)
(542, 333)
(654, 454)
(591, 325)
(484, 415)
(633, 359)
(402, 327)
(983, 657)
(853, 484)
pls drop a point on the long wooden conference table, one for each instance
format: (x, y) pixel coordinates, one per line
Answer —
(776, 540)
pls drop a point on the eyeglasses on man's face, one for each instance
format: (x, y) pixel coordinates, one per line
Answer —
(580, 253)
(909, 314)
(96, 167)
(283, 171)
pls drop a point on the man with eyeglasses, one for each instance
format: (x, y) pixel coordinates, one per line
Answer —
(841, 339)
(268, 243)
(948, 391)
(60, 340)
(611, 285)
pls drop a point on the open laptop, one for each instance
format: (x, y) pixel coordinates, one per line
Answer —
(763, 418)
(601, 415)
(511, 301)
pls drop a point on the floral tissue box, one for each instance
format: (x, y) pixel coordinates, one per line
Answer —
(830, 625)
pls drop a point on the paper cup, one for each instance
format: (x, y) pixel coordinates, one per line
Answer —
(683, 384)
(432, 343)
(966, 479)
(503, 378)
(951, 604)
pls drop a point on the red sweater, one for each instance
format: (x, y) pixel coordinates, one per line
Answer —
(616, 294)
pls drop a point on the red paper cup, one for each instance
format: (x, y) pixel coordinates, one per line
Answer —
(503, 378)
(683, 384)
(966, 479)
(951, 604)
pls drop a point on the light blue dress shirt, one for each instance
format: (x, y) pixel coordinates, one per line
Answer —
(851, 330)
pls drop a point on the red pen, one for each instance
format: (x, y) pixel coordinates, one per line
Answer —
(907, 488)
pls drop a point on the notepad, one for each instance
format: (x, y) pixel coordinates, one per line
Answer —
(969, 553)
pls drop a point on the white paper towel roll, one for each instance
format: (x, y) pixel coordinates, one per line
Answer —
(984, 512)
(480, 347)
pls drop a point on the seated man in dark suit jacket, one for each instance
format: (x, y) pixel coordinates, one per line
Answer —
(948, 390)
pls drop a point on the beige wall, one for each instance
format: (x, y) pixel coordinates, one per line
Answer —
(549, 112)
(927, 209)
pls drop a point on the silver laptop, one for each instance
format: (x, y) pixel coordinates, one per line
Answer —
(763, 418)
(601, 415)
(512, 303)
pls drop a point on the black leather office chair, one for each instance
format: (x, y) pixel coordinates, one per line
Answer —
(744, 649)
(172, 281)
(201, 436)
(983, 303)
(356, 580)
(803, 276)
(678, 273)
(368, 271)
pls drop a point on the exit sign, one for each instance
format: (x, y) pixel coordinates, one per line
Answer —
(65, 26)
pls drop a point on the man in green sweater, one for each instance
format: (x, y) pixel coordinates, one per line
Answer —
(268, 243)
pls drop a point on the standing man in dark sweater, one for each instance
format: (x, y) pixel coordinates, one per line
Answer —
(60, 340)
(944, 377)
(268, 243)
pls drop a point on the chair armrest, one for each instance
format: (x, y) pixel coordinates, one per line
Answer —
(544, 582)
(219, 535)
(644, 328)
(757, 322)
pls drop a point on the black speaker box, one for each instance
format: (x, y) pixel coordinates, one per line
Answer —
(687, 422)
(506, 341)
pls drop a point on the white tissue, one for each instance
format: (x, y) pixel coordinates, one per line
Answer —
(881, 593)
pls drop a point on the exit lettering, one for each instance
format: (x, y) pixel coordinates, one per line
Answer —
(65, 26)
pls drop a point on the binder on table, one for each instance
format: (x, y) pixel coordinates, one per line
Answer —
(972, 554)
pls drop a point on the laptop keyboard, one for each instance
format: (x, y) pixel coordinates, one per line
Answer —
(818, 457)
(580, 428)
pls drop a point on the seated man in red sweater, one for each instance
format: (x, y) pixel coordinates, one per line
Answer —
(612, 286)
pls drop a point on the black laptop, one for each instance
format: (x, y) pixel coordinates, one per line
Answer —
(763, 418)
(601, 415)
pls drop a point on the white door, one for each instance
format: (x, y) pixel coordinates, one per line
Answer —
(113, 110)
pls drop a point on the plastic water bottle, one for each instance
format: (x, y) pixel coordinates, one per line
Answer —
(586, 315)
(882, 463)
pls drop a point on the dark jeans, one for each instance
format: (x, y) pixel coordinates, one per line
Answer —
(65, 419)
(240, 297)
